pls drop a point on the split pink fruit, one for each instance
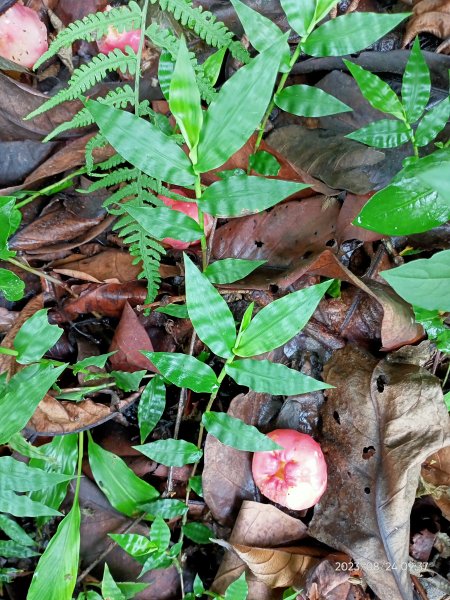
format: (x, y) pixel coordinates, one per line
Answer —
(23, 36)
(191, 210)
(115, 39)
(295, 477)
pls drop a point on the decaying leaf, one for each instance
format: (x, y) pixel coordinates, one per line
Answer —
(436, 475)
(329, 581)
(430, 16)
(379, 423)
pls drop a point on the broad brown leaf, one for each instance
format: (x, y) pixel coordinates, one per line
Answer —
(436, 473)
(430, 16)
(379, 423)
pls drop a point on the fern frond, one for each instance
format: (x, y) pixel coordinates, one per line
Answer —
(205, 25)
(119, 97)
(114, 161)
(165, 39)
(98, 141)
(132, 189)
(94, 25)
(119, 176)
(88, 75)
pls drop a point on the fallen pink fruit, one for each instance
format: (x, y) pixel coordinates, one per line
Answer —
(191, 210)
(23, 36)
(295, 477)
(115, 39)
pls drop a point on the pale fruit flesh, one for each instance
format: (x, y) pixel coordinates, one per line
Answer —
(23, 36)
(295, 477)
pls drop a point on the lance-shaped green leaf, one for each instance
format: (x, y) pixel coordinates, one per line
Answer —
(407, 205)
(151, 406)
(323, 7)
(130, 589)
(424, 282)
(208, 311)
(92, 361)
(15, 531)
(308, 101)
(18, 476)
(264, 163)
(124, 490)
(166, 66)
(110, 589)
(22, 506)
(272, 378)
(10, 218)
(198, 533)
(136, 545)
(299, 15)
(231, 106)
(11, 286)
(10, 549)
(376, 91)
(278, 322)
(35, 337)
(174, 310)
(184, 371)
(432, 123)
(24, 391)
(184, 98)
(164, 222)
(56, 572)
(172, 453)
(385, 133)
(160, 534)
(229, 270)
(237, 434)
(238, 590)
(167, 508)
(241, 195)
(416, 84)
(350, 33)
(142, 144)
(260, 30)
(213, 65)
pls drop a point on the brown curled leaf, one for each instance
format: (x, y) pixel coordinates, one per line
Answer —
(430, 16)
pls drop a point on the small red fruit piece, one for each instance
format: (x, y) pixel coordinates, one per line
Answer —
(23, 36)
(115, 39)
(191, 210)
(295, 477)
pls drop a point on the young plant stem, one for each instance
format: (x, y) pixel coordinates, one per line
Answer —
(137, 79)
(38, 273)
(53, 188)
(201, 220)
(412, 139)
(79, 467)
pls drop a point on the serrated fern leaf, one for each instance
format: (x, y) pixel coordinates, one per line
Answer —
(205, 25)
(165, 39)
(110, 163)
(98, 141)
(94, 26)
(122, 175)
(120, 97)
(88, 75)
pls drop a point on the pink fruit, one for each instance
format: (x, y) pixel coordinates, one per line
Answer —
(23, 36)
(191, 210)
(295, 477)
(113, 39)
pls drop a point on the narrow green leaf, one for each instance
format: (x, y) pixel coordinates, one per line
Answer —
(208, 311)
(160, 534)
(110, 589)
(166, 66)
(10, 218)
(172, 453)
(416, 85)
(184, 98)
(408, 205)
(128, 382)
(231, 106)
(130, 589)
(424, 282)
(165, 222)
(184, 371)
(22, 395)
(350, 33)
(198, 533)
(308, 101)
(299, 15)
(213, 65)
(237, 434)
(198, 586)
(19, 444)
(92, 361)
(323, 7)
(278, 322)
(151, 406)
(158, 560)
(260, 31)
(264, 163)
(237, 590)
(174, 310)
(376, 91)
(272, 378)
(35, 337)
(10, 549)
(124, 490)
(241, 195)
(230, 270)
(18, 476)
(11, 286)
(142, 144)
(56, 572)
(433, 122)
(167, 508)
(196, 485)
(385, 133)
(15, 531)
(22, 506)
(136, 545)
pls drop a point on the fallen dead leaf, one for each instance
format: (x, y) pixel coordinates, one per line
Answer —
(328, 582)
(379, 423)
(436, 473)
(430, 16)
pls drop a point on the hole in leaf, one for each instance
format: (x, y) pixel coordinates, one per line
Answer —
(330, 243)
(336, 417)
(259, 244)
(367, 490)
(368, 452)
(381, 382)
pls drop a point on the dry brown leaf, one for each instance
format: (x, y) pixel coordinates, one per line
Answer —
(436, 473)
(380, 422)
(329, 582)
(430, 16)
